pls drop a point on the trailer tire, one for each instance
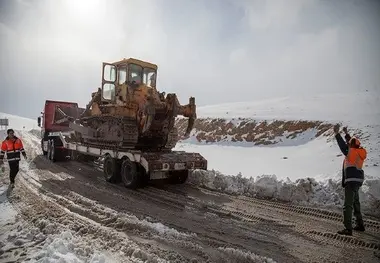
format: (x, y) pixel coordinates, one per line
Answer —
(129, 174)
(111, 169)
(179, 177)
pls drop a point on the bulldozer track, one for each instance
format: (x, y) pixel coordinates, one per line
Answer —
(130, 131)
(332, 238)
(309, 211)
(346, 240)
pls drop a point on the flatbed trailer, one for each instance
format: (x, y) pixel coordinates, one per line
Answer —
(131, 167)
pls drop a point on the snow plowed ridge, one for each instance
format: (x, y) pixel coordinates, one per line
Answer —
(328, 194)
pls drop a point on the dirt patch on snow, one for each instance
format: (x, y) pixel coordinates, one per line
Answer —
(248, 130)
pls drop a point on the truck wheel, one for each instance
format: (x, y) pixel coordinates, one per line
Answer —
(49, 150)
(129, 174)
(42, 148)
(53, 152)
(111, 169)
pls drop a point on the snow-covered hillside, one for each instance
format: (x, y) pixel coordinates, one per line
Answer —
(19, 123)
(288, 137)
(354, 108)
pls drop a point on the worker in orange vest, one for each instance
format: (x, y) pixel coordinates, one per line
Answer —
(352, 179)
(12, 146)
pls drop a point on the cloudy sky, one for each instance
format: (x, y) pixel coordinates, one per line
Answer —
(216, 50)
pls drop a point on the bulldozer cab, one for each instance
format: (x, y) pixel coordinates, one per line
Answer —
(131, 72)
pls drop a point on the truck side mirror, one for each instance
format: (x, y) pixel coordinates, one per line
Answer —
(39, 121)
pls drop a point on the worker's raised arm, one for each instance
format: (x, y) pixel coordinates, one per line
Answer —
(341, 143)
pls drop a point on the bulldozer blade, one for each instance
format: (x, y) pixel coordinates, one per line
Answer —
(190, 125)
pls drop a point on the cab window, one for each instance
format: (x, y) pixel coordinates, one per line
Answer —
(135, 73)
(149, 77)
(122, 75)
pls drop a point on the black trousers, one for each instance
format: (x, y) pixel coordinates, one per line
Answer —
(13, 170)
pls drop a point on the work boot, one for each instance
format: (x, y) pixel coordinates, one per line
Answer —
(346, 232)
(359, 228)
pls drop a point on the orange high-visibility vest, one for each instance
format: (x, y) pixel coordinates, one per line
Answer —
(12, 148)
(355, 158)
(353, 165)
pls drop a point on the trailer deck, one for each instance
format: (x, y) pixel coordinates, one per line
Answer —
(156, 165)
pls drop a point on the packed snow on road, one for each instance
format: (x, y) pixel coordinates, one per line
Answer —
(256, 203)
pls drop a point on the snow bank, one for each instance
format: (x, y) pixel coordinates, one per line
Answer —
(62, 248)
(308, 191)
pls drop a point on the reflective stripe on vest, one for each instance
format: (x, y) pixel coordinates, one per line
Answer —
(14, 159)
(354, 179)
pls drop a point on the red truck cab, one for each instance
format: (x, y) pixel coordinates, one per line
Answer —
(49, 115)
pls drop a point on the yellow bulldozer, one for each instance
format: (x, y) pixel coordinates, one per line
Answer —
(129, 112)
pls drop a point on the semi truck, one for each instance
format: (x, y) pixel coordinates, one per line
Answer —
(132, 167)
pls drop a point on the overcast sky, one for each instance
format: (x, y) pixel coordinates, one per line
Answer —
(216, 50)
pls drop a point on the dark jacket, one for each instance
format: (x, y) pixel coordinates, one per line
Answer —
(350, 172)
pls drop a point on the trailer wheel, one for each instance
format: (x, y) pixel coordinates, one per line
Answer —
(179, 177)
(129, 174)
(111, 169)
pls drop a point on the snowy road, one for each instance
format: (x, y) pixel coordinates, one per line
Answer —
(167, 223)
